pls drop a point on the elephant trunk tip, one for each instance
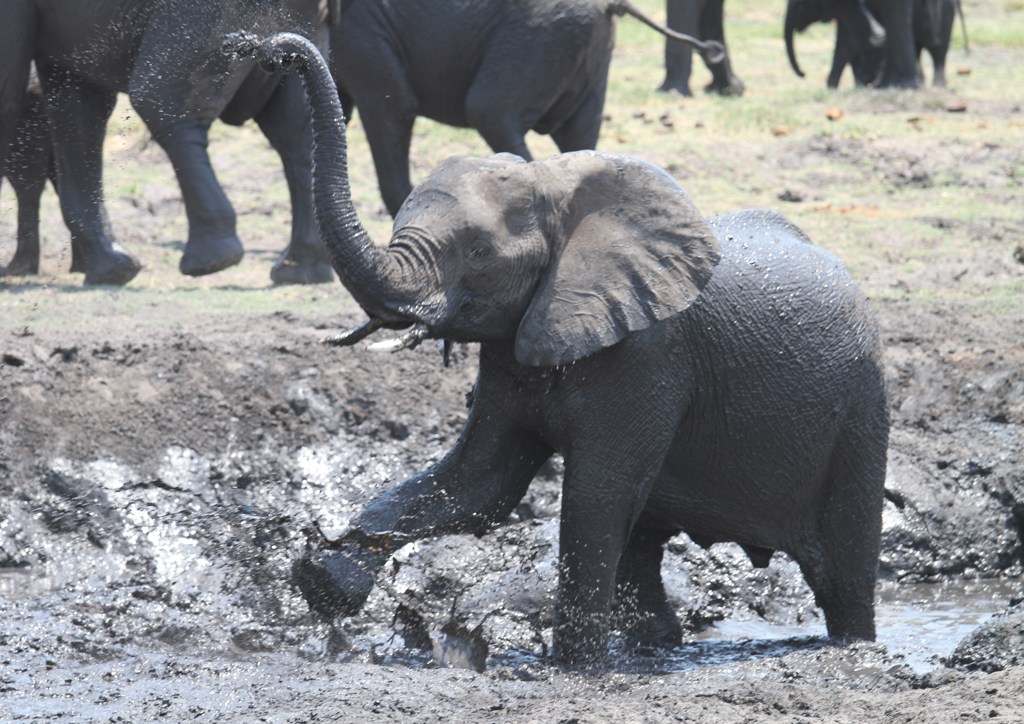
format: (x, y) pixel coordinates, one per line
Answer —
(713, 52)
(240, 44)
(281, 52)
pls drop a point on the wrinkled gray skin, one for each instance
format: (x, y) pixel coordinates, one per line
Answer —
(502, 67)
(164, 54)
(861, 25)
(861, 39)
(719, 377)
(704, 19)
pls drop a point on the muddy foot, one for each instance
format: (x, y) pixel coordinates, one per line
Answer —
(332, 583)
(210, 257)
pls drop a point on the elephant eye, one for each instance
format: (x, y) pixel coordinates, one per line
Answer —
(478, 251)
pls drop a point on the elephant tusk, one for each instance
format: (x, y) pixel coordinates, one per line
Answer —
(347, 339)
(409, 340)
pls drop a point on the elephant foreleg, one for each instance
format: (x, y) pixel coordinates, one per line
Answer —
(78, 112)
(582, 130)
(712, 27)
(479, 482)
(27, 168)
(212, 244)
(17, 41)
(683, 17)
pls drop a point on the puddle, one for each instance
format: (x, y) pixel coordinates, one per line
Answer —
(918, 623)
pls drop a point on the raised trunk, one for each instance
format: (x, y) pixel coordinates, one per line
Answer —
(362, 267)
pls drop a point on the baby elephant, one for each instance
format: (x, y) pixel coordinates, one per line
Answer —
(719, 377)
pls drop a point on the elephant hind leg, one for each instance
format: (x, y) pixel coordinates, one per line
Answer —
(841, 564)
(581, 131)
(642, 609)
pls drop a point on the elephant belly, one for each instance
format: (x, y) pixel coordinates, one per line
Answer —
(76, 35)
(761, 496)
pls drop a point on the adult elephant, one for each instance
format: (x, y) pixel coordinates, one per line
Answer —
(704, 19)
(862, 28)
(164, 55)
(861, 39)
(721, 377)
(502, 67)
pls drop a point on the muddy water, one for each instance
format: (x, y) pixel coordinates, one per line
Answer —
(919, 624)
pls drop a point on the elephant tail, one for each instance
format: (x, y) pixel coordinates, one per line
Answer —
(711, 51)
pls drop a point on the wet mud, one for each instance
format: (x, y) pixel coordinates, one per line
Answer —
(157, 489)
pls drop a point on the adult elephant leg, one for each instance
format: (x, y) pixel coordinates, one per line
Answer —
(582, 130)
(387, 107)
(179, 85)
(642, 610)
(492, 109)
(212, 243)
(285, 122)
(840, 58)
(78, 112)
(27, 168)
(17, 41)
(683, 16)
(901, 67)
(712, 27)
(389, 133)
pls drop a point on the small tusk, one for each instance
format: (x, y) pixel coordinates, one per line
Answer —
(388, 345)
(346, 339)
(409, 340)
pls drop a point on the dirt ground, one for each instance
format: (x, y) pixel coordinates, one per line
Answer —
(167, 449)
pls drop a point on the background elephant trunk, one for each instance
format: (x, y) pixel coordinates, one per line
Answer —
(790, 29)
(876, 33)
(361, 266)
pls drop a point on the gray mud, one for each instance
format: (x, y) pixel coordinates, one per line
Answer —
(156, 490)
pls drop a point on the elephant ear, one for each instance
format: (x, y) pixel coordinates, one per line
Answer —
(630, 249)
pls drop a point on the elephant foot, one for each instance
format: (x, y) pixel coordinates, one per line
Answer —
(332, 583)
(734, 87)
(584, 650)
(77, 259)
(210, 257)
(653, 632)
(678, 88)
(289, 271)
(21, 266)
(116, 267)
(646, 626)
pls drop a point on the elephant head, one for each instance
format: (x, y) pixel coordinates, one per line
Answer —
(561, 258)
